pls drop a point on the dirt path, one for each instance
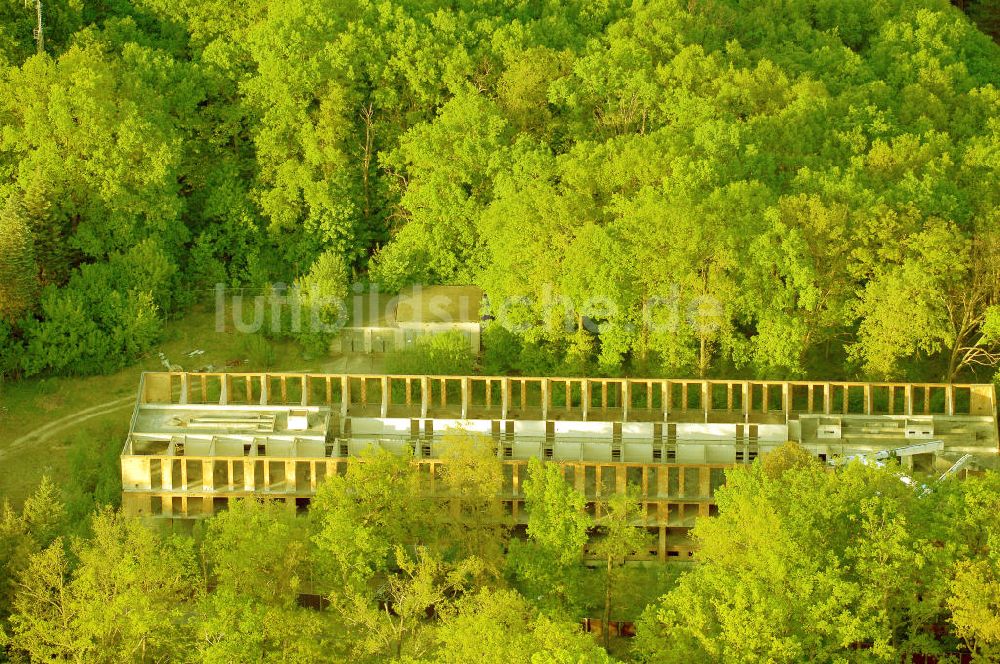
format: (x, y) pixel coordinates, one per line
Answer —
(43, 433)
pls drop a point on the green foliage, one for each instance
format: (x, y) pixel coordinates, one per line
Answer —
(499, 626)
(618, 540)
(257, 557)
(123, 596)
(656, 188)
(549, 563)
(471, 479)
(362, 516)
(106, 316)
(445, 353)
(322, 299)
(780, 579)
(18, 272)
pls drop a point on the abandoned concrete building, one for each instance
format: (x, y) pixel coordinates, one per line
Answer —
(381, 323)
(198, 440)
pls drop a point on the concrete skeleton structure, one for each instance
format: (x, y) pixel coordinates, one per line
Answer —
(198, 440)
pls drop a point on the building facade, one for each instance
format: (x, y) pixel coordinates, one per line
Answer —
(198, 440)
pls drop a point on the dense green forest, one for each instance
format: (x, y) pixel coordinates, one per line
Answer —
(801, 565)
(765, 187)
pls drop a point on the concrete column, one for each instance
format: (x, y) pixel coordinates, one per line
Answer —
(345, 396)
(746, 401)
(425, 396)
(706, 403)
(949, 399)
(306, 387)
(465, 397)
(626, 399)
(827, 399)
(545, 398)
(184, 388)
(224, 390)
(663, 544)
(786, 400)
(868, 399)
(290, 482)
(384, 410)
(666, 395)
(504, 397)
(908, 398)
(208, 475)
(264, 386)
(585, 398)
(166, 471)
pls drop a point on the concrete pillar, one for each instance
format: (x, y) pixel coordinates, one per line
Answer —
(545, 398)
(264, 386)
(166, 473)
(465, 397)
(706, 396)
(626, 399)
(184, 388)
(666, 396)
(345, 396)
(949, 399)
(290, 481)
(224, 390)
(786, 400)
(504, 397)
(663, 544)
(425, 396)
(908, 398)
(746, 401)
(384, 409)
(827, 398)
(306, 387)
(584, 398)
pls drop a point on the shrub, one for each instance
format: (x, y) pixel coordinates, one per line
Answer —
(446, 353)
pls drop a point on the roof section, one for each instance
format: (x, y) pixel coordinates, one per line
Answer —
(439, 304)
